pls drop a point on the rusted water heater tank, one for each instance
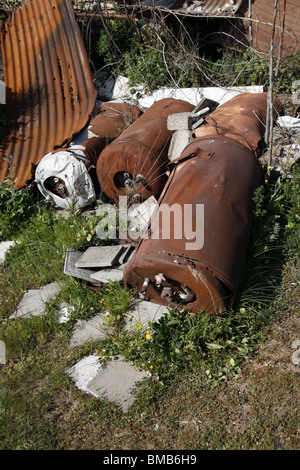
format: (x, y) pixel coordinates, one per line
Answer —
(110, 122)
(69, 173)
(135, 164)
(194, 260)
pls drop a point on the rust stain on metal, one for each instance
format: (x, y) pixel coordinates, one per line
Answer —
(220, 171)
(134, 164)
(214, 7)
(107, 125)
(246, 27)
(112, 120)
(262, 19)
(242, 118)
(49, 86)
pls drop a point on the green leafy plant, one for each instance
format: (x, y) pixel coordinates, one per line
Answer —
(115, 301)
(16, 206)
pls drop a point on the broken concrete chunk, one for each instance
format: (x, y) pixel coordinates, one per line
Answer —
(140, 214)
(4, 246)
(86, 331)
(99, 256)
(2, 92)
(33, 301)
(2, 353)
(64, 312)
(186, 121)
(181, 121)
(127, 253)
(70, 269)
(116, 382)
(179, 141)
(144, 312)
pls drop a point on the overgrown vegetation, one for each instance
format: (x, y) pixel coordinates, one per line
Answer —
(16, 206)
(201, 392)
(180, 348)
(164, 53)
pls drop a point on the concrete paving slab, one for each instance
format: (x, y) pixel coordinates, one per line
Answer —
(99, 257)
(33, 302)
(116, 382)
(70, 269)
(87, 331)
(83, 372)
(105, 275)
(126, 254)
(4, 246)
(144, 312)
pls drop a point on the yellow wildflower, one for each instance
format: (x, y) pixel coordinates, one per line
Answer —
(148, 336)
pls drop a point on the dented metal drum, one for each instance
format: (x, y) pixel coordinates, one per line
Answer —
(194, 260)
(134, 164)
(110, 122)
(200, 277)
(66, 175)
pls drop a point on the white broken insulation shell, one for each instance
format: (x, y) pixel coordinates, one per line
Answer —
(62, 177)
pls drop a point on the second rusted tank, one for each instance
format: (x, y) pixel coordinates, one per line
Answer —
(135, 164)
(193, 252)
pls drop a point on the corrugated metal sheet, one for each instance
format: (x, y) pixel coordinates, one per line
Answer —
(49, 86)
(262, 16)
(214, 7)
(235, 32)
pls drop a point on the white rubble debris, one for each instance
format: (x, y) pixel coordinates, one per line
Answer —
(4, 246)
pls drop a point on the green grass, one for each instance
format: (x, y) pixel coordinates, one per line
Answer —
(215, 382)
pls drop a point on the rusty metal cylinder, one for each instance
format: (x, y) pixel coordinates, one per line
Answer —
(135, 164)
(194, 260)
(110, 122)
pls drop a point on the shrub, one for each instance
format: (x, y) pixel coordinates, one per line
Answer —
(16, 206)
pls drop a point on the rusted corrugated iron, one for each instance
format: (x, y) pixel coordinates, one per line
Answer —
(262, 12)
(220, 171)
(251, 24)
(134, 164)
(49, 87)
(213, 7)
